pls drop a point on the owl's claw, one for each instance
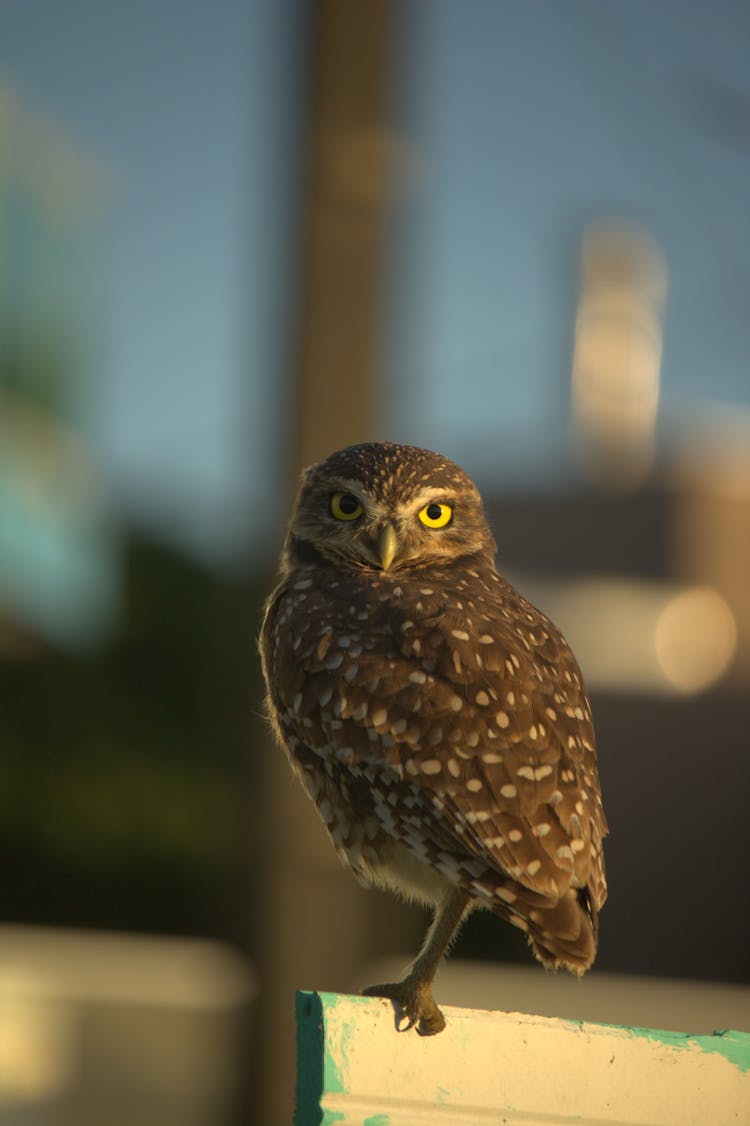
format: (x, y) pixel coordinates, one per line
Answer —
(414, 1004)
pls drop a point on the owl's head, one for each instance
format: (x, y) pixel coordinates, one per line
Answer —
(380, 506)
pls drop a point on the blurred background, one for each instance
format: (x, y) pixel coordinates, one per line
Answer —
(234, 236)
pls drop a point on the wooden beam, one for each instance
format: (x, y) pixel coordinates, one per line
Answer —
(345, 205)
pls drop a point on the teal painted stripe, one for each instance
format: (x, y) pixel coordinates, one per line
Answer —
(728, 1042)
(318, 1069)
(335, 1061)
(309, 1088)
(733, 1045)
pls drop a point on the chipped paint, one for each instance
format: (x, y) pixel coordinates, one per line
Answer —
(318, 1064)
(733, 1045)
(354, 1069)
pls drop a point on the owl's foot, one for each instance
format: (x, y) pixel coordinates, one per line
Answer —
(414, 1004)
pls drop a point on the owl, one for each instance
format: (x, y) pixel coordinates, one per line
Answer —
(438, 720)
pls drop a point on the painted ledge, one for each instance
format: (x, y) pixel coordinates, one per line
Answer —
(492, 1067)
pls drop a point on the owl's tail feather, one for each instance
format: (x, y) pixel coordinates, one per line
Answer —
(566, 933)
(560, 932)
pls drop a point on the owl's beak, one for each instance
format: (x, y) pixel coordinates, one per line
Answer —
(387, 545)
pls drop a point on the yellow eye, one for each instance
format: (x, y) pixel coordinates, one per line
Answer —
(344, 506)
(436, 515)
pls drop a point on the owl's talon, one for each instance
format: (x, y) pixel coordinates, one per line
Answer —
(414, 1003)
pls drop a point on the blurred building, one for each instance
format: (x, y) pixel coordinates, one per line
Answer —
(58, 579)
(119, 1029)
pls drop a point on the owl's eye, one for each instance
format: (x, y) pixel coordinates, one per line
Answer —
(344, 506)
(436, 515)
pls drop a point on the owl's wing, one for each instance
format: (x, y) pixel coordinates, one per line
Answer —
(492, 745)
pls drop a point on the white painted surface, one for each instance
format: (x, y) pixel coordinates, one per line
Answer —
(622, 999)
(513, 1068)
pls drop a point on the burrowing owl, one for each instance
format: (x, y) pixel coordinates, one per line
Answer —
(436, 718)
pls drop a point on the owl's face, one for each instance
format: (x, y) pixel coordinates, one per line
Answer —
(385, 507)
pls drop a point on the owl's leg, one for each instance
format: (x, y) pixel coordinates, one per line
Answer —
(413, 995)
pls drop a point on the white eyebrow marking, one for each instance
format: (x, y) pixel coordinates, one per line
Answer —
(423, 497)
(357, 488)
(347, 485)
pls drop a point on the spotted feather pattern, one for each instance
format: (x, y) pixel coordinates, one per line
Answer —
(432, 713)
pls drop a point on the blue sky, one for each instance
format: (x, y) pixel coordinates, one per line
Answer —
(187, 106)
(525, 120)
(533, 119)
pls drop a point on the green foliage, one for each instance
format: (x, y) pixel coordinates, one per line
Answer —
(123, 800)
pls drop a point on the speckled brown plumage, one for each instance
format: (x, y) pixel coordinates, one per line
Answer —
(438, 720)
